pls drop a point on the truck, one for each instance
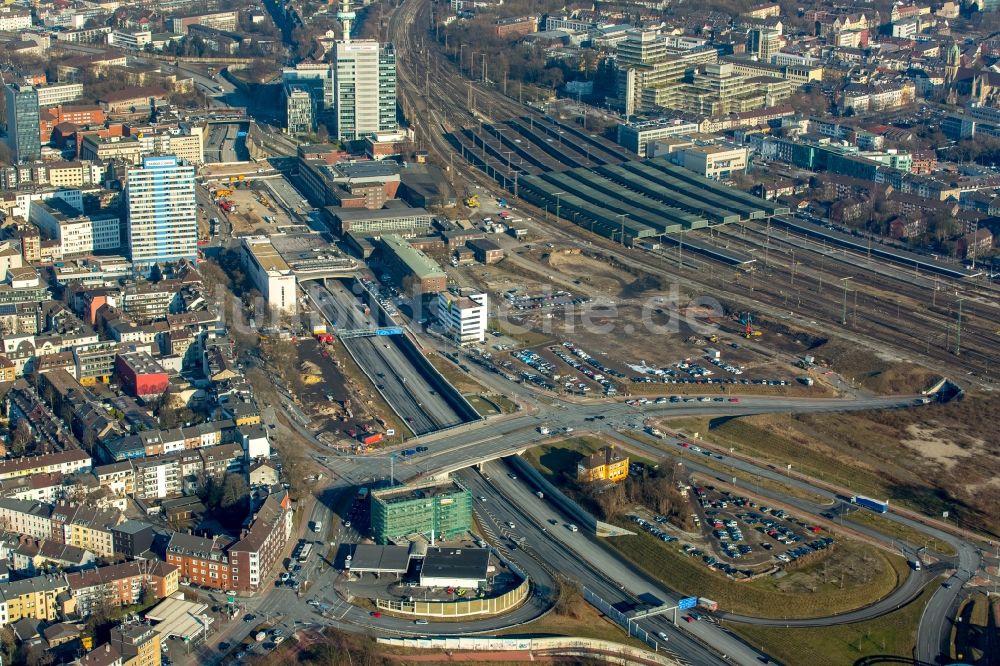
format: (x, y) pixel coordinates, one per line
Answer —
(872, 504)
(373, 438)
(223, 192)
(543, 430)
(915, 565)
(708, 604)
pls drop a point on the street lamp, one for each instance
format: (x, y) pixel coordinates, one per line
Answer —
(621, 218)
(958, 328)
(843, 318)
(557, 195)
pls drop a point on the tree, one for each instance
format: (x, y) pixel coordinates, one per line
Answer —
(21, 438)
(234, 490)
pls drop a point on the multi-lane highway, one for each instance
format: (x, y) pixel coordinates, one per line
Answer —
(457, 449)
(501, 437)
(579, 557)
(402, 385)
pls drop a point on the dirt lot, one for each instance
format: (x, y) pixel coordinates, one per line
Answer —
(252, 207)
(632, 309)
(324, 388)
(939, 457)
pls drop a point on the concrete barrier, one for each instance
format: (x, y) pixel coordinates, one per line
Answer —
(567, 646)
(466, 607)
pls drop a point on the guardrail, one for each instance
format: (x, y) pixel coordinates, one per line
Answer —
(491, 606)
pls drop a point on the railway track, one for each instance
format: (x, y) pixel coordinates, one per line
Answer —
(882, 289)
(891, 310)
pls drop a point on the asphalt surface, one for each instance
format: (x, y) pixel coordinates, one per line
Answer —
(402, 385)
(223, 145)
(504, 436)
(935, 625)
(579, 556)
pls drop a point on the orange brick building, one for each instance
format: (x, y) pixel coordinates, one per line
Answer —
(121, 584)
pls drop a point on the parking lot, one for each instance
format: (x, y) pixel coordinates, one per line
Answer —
(741, 538)
(517, 299)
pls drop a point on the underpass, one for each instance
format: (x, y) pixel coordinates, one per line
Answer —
(418, 398)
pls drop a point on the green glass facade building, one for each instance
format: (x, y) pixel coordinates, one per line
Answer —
(443, 510)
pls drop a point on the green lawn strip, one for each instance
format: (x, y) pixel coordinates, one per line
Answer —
(817, 594)
(899, 531)
(765, 445)
(587, 623)
(891, 634)
(462, 381)
(744, 479)
(483, 407)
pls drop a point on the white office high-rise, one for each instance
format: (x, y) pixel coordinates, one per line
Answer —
(162, 212)
(364, 83)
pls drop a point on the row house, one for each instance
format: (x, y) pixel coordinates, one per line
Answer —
(153, 442)
(86, 527)
(261, 543)
(121, 584)
(202, 561)
(44, 487)
(66, 462)
(133, 538)
(32, 556)
(118, 478)
(39, 598)
(26, 517)
(23, 403)
(132, 645)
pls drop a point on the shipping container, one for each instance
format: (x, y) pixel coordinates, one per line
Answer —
(869, 503)
(373, 438)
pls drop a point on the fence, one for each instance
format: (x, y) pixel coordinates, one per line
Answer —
(619, 618)
(490, 606)
(609, 651)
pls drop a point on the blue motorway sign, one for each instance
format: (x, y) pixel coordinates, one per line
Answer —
(687, 602)
(390, 331)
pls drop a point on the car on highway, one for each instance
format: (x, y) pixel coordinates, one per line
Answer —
(513, 476)
(249, 617)
(572, 528)
(421, 449)
(482, 498)
(347, 523)
(662, 635)
(420, 622)
(223, 646)
(376, 614)
(688, 619)
(510, 524)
